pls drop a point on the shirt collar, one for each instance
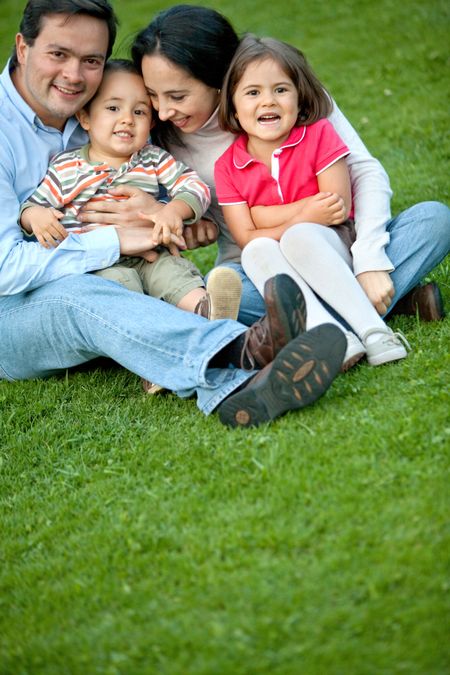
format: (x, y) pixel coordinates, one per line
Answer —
(241, 158)
(28, 113)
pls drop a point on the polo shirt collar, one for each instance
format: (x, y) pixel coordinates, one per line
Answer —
(241, 158)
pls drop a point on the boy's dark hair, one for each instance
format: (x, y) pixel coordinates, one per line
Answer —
(115, 66)
(197, 39)
(314, 100)
(36, 10)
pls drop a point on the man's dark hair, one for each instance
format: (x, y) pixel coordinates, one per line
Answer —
(36, 10)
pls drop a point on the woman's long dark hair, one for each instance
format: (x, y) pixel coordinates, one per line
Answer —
(197, 39)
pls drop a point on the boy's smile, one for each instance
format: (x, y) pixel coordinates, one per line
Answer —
(118, 119)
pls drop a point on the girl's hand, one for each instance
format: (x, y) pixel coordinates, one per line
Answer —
(326, 208)
(45, 225)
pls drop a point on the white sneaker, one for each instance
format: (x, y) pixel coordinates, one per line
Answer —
(390, 346)
(355, 351)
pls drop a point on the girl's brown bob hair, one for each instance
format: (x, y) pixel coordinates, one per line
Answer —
(314, 100)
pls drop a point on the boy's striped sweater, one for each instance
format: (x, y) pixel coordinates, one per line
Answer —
(72, 180)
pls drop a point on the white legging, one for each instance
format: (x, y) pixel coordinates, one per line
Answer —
(316, 258)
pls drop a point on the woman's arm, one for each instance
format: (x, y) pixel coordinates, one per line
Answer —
(371, 199)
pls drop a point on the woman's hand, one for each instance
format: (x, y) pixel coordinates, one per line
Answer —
(202, 233)
(123, 210)
(379, 288)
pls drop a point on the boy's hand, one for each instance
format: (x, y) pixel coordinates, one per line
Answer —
(138, 241)
(165, 225)
(45, 225)
(168, 223)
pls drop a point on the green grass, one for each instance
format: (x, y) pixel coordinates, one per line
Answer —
(138, 536)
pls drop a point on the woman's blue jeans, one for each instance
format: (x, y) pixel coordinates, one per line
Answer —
(78, 318)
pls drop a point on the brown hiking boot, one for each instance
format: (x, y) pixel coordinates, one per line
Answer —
(426, 301)
(299, 375)
(285, 319)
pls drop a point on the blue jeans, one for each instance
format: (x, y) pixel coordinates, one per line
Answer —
(419, 240)
(78, 318)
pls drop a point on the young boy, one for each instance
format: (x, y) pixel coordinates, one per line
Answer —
(118, 120)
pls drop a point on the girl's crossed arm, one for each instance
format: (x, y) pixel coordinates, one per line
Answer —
(330, 206)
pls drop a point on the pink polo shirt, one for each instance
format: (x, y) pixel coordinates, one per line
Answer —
(241, 179)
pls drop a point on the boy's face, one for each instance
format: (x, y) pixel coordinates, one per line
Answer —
(119, 118)
(61, 71)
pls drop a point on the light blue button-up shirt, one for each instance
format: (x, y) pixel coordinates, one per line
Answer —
(26, 146)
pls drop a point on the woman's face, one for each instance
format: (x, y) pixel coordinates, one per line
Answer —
(177, 96)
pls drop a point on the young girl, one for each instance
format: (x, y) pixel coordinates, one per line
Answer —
(284, 188)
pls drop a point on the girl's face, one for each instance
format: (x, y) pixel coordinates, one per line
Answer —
(266, 102)
(119, 118)
(177, 96)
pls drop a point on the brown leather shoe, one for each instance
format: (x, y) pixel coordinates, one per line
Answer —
(426, 301)
(285, 319)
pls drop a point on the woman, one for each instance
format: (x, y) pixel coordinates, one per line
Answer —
(184, 54)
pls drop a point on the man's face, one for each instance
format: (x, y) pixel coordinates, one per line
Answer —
(63, 69)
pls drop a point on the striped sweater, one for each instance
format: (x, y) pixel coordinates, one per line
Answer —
(72, 180)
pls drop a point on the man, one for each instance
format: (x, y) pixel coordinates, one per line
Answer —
(53, 315)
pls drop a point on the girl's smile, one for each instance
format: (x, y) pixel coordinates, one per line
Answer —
(266, 103)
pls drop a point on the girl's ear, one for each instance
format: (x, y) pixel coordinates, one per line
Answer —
(83, 118)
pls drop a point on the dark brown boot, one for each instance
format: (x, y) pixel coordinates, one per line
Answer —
(426, 301)
(299, 375)
(285, 319)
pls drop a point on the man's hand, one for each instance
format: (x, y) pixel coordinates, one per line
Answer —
(123, 211)
(379, 289)
(202, 233)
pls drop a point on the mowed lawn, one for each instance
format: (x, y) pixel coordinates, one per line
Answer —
(138, 536)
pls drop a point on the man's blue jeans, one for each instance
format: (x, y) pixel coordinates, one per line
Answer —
(78, 318)
(419, 240)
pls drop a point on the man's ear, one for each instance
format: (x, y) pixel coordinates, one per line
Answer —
(83, 118)
(21, 48)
